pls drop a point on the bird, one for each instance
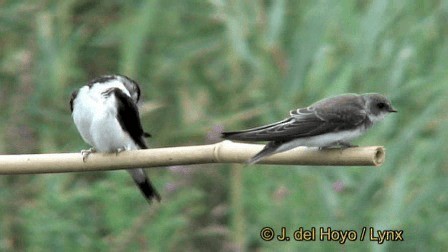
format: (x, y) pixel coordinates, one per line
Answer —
(328, 123)
(106, 115)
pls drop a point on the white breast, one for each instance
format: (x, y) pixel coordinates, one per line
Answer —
(108, 136)
(95, 117)
(83, 111)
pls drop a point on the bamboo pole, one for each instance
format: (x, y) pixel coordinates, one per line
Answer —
(222, 152)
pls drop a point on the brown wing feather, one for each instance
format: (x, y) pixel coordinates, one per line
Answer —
(329, 115)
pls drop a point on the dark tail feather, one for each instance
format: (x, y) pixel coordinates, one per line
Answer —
(229, 135)
(145, 185)
(269, 149)
(149, 191)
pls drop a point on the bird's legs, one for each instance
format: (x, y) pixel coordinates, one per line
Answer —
(86, 153)
(121, 149)
(345, 145)
(342, 145)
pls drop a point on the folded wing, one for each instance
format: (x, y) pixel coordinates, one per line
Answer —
(304, 122)
(129, 118)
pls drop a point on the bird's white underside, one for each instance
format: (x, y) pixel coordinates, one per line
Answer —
(324, 140)
(95, 117)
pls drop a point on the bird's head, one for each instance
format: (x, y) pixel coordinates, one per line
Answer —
(378, 106)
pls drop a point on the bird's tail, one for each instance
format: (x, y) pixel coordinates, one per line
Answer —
(145, 185)
(270, 149)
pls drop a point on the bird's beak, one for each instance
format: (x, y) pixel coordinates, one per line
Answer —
(393, 110)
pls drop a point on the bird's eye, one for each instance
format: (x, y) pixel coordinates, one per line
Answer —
(381, 105)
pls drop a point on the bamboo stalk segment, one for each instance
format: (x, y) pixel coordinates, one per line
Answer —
(223, 152)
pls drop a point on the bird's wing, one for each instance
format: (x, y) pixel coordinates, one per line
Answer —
(128, 117)
(304, 122)
(262, 133)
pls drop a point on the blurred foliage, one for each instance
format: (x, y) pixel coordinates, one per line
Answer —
(209, 65)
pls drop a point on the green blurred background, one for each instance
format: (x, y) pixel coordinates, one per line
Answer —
(207, 66)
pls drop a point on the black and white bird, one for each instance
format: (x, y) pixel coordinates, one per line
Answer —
(106, 115)
(330, 122)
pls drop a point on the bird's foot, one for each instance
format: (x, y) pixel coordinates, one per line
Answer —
(86, 153)
(345, 145)
(338, 145)
(119, 150)
(107, 93)
(329, 147)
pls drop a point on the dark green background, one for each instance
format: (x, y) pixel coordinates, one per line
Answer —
(205, 66)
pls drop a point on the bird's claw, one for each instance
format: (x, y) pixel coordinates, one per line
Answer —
(86, 153)
(339, 145)
(119, 150)
(345, 145)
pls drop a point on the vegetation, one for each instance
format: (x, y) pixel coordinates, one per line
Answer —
(205, 66)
